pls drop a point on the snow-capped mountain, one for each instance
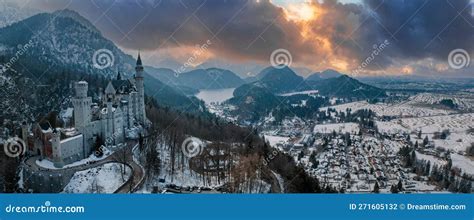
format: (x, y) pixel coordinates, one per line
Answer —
(62, 38)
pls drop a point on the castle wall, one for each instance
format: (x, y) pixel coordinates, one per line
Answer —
(72, 149)
(46, 181)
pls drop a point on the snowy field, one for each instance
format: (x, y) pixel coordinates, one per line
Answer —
(457, 141)
(464, 163)
(403, 109)
(340, 127)
(276, 140)
(103, 179)
(463, 101)
(183, 175)
(457, 124)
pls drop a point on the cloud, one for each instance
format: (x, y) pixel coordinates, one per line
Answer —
(419, 29)
(319, 34)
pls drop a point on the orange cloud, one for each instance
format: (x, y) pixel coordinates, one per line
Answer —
(318, 25)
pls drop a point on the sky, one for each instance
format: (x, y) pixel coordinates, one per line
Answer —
(358, 37)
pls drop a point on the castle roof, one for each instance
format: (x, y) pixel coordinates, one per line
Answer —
(110, 89)
(139, 60)
(45, 126)
(123, 86)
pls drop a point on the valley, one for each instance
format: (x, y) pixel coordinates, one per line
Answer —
(360, 146)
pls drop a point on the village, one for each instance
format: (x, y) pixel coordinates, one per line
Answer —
(384, 155)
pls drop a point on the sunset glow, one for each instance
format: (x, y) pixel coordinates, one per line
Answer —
(301, 12)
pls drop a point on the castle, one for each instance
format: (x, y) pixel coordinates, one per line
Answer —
(122, 107)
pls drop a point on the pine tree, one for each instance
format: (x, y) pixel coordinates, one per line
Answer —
(400, 186)
(425, 141)
(393, 189)
(413, 157)
(427, 168)
(376, 187)
(300, 155)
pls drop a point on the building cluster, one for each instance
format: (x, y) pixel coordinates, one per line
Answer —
(356, 167)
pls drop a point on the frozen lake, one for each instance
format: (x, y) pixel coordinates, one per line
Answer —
(215, 95)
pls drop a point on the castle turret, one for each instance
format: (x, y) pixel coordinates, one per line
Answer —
(82, 106)
(140, 90)
(56, 146)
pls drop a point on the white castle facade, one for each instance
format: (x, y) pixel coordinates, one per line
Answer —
(122, 107)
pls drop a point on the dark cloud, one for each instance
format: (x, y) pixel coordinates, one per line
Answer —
(339, 36)
(418, 29)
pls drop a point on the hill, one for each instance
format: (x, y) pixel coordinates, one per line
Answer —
(326, 74)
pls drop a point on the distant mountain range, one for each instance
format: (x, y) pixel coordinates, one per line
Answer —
(328, 83)
(265, 93)
(211, 78)
(346, 87)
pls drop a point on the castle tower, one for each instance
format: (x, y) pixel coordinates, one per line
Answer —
(140, 90)
(82, 106)
(109, 96)
(56, 145)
